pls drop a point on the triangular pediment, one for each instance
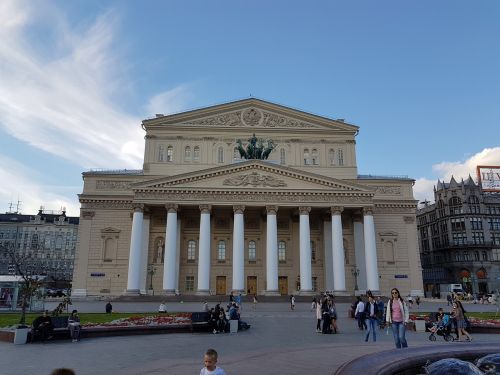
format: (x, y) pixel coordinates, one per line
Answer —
(252, 113)
(255, 175)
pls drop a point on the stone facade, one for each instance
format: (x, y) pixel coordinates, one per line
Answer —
(197, 219)
(459, 238)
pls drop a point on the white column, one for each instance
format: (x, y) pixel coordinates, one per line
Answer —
(272, 251)
(134, 259)
(204, 251)
(359, 253)
(328, 264)
(305, 251)
(144, 254)
(338, 251)
(238, 250)
(370, 251)
(178, 257)
(170, 264)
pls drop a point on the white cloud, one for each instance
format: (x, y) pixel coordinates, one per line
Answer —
(18, 183)
(170, 101)
(64, 100)
(423, 188)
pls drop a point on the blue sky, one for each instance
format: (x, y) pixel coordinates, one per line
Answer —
(420, 78)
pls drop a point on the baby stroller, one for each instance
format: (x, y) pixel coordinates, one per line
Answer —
(442, 328)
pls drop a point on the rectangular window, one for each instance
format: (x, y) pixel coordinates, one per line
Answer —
(458, 224)
(191, 251)
(189, 283)
(494, 223)
(476, 223)
(341, 157)
(282, 252)
(459, 239)
(478, 238)
(495, 238)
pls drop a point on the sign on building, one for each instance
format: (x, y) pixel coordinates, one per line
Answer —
(489, 177)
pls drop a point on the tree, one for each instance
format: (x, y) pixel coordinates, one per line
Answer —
(31, 285)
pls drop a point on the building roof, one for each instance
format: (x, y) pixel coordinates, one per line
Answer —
(45, 217)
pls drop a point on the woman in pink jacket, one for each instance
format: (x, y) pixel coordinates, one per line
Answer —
(398, 315)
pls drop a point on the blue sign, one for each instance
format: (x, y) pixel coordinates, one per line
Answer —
(400, 276)
(97, 274)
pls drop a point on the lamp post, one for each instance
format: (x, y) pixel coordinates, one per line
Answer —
(355, 273)
(151, 272)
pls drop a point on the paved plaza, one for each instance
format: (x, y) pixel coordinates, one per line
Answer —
(280, 342)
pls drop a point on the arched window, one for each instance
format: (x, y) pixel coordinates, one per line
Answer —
(59, 242)
(314, 156)
(282, 156)
(221, 250)
(282, 251)
(161, 153)
(196, 153)
(220, 155)
(170, 153)
(187, 153)
(341, 157)
(191, 251)
(306, 157)
(252, 251)
(313, 251)
(331, 156)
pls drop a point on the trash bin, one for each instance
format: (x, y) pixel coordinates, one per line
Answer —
(233, 326)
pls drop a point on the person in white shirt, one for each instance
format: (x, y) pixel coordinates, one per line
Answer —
(162, 308)
(359, 314)
(210, 361)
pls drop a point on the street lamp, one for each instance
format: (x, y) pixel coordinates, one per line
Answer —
(151, 272)
(355, 273)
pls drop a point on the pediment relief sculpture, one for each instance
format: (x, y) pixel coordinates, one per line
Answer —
(252, 117)
(254, 179)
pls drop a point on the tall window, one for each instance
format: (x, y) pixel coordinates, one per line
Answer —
(191, 251)
(314, 156)
(236, 153)
(485, 255)
(476, 223)
(187, 153)
(313, 251)
(441, 209)
(161, 153)
(478, 238)
(196, 153)
(282, 251)
(282, 156)
(306, 157)
(458, 224)
(331, 156)
(220, 155)
(189, 283)
(456, 207)
(221, 251)
(170, 153)
(252, 249)
(341, 157)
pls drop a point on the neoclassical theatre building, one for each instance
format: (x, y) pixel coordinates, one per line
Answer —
(203, 218)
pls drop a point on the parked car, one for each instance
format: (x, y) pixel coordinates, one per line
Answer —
(51, 292)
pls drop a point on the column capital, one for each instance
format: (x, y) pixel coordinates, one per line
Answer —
(205, 208)
(304, 210)
(138, 207)
(172, 207)
(272, 210)
(368, 210)
(336, 210)
(238, 209)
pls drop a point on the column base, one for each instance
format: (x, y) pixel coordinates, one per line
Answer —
(78, 293)
(274, 293)
(203, 292)
(341, 293)
(169, 292)
(360, 292)
(306, 292)
(133, 292)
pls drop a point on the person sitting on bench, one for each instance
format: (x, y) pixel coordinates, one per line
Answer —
(42, 327)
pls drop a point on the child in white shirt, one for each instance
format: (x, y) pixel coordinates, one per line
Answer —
(211, 368)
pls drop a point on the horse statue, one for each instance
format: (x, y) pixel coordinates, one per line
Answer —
(256, 148)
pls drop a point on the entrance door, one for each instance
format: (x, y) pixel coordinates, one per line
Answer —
(283, 285)
(252, 285)
(221, 285)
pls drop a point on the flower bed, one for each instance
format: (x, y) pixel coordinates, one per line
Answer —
(151, 321)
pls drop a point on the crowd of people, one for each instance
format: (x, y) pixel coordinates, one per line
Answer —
(219, 318)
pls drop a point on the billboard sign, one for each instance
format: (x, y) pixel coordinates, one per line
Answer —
(489, 177)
